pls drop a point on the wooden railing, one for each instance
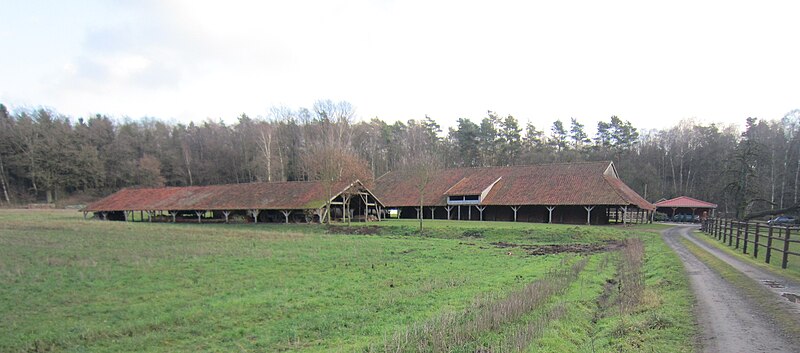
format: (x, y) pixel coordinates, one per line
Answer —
(755, 237)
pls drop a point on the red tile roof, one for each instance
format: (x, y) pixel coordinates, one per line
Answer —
(290, 195)
(685, 201)
(589, 183)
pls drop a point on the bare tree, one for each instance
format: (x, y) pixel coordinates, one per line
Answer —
(422, 170)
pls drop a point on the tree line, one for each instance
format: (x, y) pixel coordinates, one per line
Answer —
(47, 156)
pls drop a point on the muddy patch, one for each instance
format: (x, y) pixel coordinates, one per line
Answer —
(547, 249)
(360, 230)
(773, 284)
(794, 298)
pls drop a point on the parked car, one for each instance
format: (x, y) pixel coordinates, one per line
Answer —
(782, 220)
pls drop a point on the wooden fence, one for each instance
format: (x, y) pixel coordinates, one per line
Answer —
(754, 237)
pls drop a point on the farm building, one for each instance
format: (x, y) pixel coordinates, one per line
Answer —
(686, 205)
(577, 193)
(252, 202)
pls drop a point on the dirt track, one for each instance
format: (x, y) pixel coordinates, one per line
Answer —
(729, 322)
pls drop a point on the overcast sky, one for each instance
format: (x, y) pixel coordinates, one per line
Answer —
(652, 64)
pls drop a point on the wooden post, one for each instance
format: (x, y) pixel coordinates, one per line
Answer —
(624, 213)
(515, 209)
(469, 213)
(199, 213)
(254, 213)
(755, 245)
(725, 231)
(459, 212)
(448, 208)
(738, 233)
(126, 215)
(730, 236)
(785, 261)
(769, 245)
(150, 215)
(588, 213)
(105, 215)
(286, 215)
(85, 213)
(480, 209)
(550, 215)
(226, 214)
(173, 213)
(433, 212)
(746, 236)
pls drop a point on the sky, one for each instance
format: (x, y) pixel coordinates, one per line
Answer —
(651, 63)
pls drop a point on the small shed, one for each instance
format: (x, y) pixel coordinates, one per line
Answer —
(686, 205)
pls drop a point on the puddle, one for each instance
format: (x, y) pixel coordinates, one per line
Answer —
(794, 298)
(773, 284)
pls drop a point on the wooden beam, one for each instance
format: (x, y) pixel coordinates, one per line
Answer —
(254, 213)
(480, 209)
(515, 209)
(448, 208)
(173, 213)
(550, 216)
(588, 213)
(286, 215)
(226, 214)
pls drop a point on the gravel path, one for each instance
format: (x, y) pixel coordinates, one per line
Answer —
(729, 322)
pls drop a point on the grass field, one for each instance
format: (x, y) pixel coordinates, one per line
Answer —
(88, 286)
(793, 264)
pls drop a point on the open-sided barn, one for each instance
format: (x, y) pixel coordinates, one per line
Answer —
(253, 202)
(687, 205)
(589, 192)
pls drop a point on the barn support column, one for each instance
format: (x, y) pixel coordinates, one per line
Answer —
(105, 215)
(459, 212)
(433, 214)
(448, 208)
(226, 214)
(254, 213)
(480, 209)
(199, 216)
(286, 215)
(550, 215)
(624, 214)
(126, 215)
(515, 209)
(419, 213)
(673, 212)
(173, 213)
(84, 214)
(150, 215)
(469, 213)
(588, 214)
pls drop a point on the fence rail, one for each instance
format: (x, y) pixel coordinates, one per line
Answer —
(756, 237)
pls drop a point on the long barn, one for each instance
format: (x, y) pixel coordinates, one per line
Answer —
(578, 193)
(294, 201)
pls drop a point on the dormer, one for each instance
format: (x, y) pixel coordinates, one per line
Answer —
(471, 190)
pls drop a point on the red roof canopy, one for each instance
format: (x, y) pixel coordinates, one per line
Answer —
(586, 184)
(263, 196)
(685, 202)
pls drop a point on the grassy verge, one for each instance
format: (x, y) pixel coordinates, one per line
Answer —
(753, 291)
(655, 316)
(792, 270)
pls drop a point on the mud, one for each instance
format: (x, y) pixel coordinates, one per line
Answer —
(359, 230)
(536, 250)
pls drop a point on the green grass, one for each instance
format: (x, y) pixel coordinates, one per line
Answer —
(793, 265)
(88, 286)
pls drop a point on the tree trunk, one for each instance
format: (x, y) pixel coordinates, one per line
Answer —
(3, 181)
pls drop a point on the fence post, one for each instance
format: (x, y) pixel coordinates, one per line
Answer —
(738, 233)
(785, 249)
(746, 236)
(755, 246)
(725, 231)
(769, 244)
(730, 236)
(716, 228)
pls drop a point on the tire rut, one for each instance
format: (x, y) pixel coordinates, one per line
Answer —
(729, 321)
